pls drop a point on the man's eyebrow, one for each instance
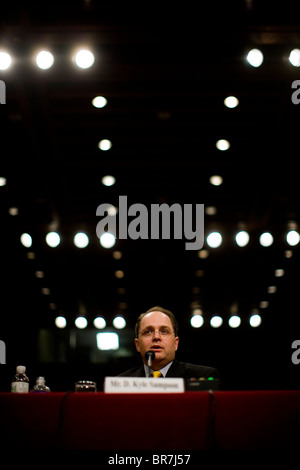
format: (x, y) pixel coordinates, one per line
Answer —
(153, 328)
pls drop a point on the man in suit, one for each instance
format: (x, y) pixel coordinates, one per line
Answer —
(157, 331)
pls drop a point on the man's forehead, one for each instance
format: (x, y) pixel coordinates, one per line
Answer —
(156, 318)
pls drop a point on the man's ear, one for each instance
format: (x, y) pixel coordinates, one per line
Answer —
(176, 342)
(137, 345)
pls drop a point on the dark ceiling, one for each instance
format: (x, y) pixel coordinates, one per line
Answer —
(165, 72)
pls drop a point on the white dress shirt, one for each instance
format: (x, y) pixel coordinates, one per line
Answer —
(164, 370)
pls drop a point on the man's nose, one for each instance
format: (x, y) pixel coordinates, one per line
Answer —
(156, 334)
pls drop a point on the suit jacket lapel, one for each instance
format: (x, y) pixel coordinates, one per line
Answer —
(176, 370)
(141, 372)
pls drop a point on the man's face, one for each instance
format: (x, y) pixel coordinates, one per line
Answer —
(157, 334)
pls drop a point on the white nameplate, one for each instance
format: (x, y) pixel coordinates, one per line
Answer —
(143, 385)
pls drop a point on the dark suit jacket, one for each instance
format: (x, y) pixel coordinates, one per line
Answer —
(178, 369)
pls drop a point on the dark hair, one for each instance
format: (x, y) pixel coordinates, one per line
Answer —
(157, 309)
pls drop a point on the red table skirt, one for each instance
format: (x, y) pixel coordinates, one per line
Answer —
(187, 421)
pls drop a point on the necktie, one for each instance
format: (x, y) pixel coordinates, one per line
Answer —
(156, 374)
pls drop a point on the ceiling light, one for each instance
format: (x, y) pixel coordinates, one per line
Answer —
(119, 322)
(104, 144)
(40, 274)
(255, 320)
(107, 240)
(203, 254)
(231, 102)
(44, 60)
(2, 181)
(242, 238)
(117, 254)
(279, 272)
(84, 58)
(234, 321)
(293, 237)
(214, 239)
(81, 323)
(216, 321)
(52, 239)
(99, 323)
(294, 57)
(5, 60)
(81, 240)
(266, 239)
(255, 57)
(119, 274)
(210, 210)
(107, 341)
(108, 180)
(197, 321)
(99, 102)
(26, 240)
(222, 144)
(112, 210)
(60, 322)
(216, 180)
(13, 211)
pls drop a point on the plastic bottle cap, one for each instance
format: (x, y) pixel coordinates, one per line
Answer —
(21, 369)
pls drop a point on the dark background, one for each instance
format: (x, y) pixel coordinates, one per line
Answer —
(165, 71)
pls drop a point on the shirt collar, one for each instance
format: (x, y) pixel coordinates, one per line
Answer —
(163, 370)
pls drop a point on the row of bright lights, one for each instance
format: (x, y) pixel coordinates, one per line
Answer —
(255, 57)
(84, 58)
(109, 180)
(81, 240)
(196, 322)
(216, 321)
(242, 238)
(81, 322)
(214, 239)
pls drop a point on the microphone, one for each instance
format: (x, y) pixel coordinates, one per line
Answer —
(150, 356)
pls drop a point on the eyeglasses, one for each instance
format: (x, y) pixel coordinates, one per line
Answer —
(163, 332)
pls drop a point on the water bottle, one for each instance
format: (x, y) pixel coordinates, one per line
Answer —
(40, 386)
(21, 382)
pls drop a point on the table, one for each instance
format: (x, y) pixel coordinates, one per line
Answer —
(186, 421)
